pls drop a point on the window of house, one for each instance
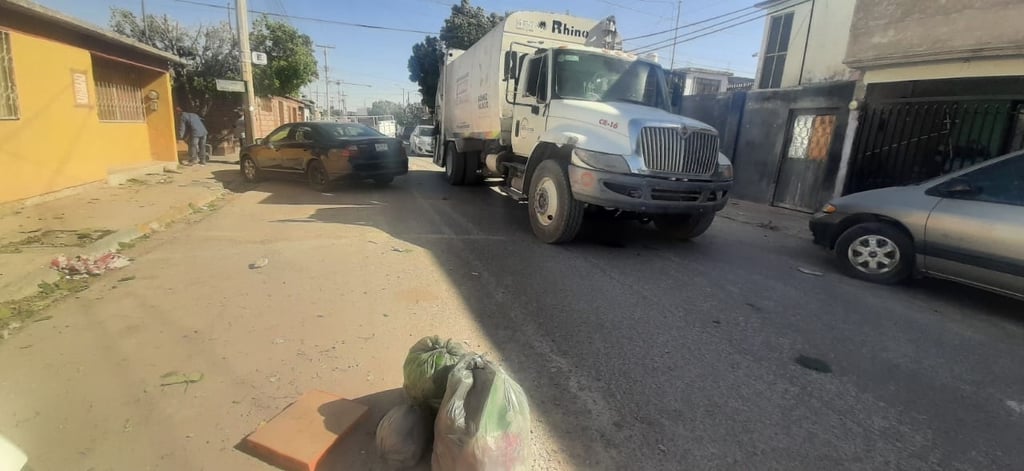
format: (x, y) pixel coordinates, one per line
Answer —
(779, 29)
(811, 137)
(706, 86)
(119, 91)
(8, 92)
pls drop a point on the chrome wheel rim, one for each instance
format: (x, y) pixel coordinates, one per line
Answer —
(546, 202)
(250, 169)
(874, 254)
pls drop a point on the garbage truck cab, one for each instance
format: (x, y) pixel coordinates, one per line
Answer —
(572, 124)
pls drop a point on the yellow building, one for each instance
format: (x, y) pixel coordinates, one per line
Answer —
(77, 103)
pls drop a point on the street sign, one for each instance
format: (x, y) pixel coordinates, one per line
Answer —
(259, 58)
(231, 85)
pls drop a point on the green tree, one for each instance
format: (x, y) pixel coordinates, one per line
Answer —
(290, 60)
(209, 52)
(463, 28)
(466, 25)
(405, 115)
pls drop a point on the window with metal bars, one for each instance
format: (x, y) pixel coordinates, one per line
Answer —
(119, 91)
(8, 91)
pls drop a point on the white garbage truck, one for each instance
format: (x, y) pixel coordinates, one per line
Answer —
(573, 125)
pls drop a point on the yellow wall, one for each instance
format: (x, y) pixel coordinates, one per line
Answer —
(55, 144)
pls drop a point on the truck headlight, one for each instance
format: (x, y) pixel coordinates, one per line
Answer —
(724, 171)
(600, 160)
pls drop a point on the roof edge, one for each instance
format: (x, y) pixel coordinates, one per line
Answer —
(47, 14)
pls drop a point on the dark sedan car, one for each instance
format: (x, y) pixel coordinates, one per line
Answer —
(325, 153)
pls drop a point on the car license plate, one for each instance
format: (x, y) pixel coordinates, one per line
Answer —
(382, 147)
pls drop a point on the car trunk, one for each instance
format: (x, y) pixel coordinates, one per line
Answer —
(374, 154)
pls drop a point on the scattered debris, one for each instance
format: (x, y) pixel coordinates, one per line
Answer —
(475, 273)
(1017, 407)
(127, 278)
(278, 341)
(808, 271)
(716, 322)
(813, 364)
(662, 449)
(400, 250)
(767, 225)
(259, 263)
(127, 427)
(171, 378)
(82, 265)
(274, 378)
(372, 242)
(55, 238)
(43, 318)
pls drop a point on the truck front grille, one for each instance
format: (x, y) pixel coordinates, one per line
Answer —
(668, 150)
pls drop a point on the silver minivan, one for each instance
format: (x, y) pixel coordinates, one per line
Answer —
(966, 226)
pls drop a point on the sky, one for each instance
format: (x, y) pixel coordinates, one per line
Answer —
(378, 58)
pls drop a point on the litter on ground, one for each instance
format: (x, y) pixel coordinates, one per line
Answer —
(82, 265)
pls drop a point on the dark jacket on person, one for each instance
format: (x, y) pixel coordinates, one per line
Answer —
(191, 125)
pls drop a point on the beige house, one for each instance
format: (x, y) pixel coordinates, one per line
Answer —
(804, 42)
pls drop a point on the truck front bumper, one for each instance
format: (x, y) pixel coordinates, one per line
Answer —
(648, 195)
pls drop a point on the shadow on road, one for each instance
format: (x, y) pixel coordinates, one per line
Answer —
(625, 380)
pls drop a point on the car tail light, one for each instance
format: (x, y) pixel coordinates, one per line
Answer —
(350, 151)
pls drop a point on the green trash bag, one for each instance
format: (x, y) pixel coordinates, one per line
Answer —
(484, 421)
(426, 369)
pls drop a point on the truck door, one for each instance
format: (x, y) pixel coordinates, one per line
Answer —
(529, 118)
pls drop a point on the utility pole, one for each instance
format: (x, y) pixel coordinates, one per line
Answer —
(341, 91)
(675, 35)
(145, 24)
(242, 17)
(327, 81)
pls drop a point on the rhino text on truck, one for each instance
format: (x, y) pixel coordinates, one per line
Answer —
(550, 104)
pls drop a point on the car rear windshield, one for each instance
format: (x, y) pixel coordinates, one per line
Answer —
(428, 131)
(343, 130)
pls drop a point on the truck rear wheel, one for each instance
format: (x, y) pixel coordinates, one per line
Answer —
(454, 165)
(685, 226)
(555, 216)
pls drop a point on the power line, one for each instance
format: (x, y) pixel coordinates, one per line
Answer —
(662, 44)
(642, 12)
(319, 20)
(713, 18)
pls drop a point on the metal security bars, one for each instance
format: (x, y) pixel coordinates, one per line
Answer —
(673, 150)
(903, 143)
(8, 90)
(119, 91)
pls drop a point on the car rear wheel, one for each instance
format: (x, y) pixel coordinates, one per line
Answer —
(316, 174)
(250, 171)
(685, 227)
(555, 216)
(877, 252)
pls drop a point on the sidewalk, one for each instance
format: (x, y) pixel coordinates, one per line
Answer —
(786, 221)
(98, 220)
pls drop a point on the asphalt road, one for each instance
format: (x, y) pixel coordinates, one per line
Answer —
(636, 352)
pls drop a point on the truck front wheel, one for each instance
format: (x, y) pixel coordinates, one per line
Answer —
(454, 165)
(685, 226)
(555, 216)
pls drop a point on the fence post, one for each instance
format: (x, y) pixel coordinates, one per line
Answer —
(844, 161)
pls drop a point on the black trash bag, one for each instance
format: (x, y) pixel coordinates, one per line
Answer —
(404, 434)
(484, 421)
(426, 369)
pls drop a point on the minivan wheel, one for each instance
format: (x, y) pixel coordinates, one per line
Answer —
(877, 252)
(317, 176)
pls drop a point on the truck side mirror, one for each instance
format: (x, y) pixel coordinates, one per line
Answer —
(511, 65)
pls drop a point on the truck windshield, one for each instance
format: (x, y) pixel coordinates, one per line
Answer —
(598, 77)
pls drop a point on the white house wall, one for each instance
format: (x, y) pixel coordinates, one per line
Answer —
(825, 46)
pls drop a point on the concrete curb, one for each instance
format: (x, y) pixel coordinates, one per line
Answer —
(111, 243)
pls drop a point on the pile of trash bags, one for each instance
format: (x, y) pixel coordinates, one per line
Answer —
(474, 414)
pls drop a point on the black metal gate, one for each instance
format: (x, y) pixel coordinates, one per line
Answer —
(905, 142)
